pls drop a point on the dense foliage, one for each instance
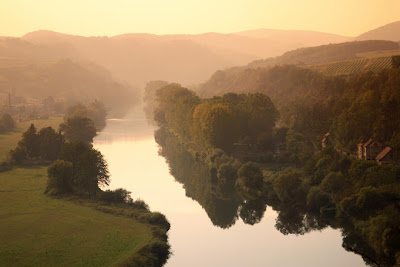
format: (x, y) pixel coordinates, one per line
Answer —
(358, 196)
(43, 145)
(96, 111)
(78, 128)
(350, 107)
(7, 123)
(219, 122)
(331, 187)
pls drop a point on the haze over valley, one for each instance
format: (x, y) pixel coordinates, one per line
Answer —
(200, 133)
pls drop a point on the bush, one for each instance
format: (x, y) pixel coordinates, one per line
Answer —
(8, 122)
(140, 204)
(60, 178)
(119, 195)
(18, 155)
(158, 218)
(161, 251)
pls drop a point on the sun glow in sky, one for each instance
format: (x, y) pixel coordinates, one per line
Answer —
(106, 17)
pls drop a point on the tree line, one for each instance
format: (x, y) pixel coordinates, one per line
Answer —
(323, 187)
(76, 166)
(218, 122)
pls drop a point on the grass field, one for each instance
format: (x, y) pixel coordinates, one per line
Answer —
(10, 140)
(36, 230)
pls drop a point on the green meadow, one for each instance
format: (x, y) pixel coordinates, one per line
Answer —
(40, 230)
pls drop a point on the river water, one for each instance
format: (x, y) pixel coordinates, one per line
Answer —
(132, 154)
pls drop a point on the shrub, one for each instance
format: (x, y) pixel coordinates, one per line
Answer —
(140, 204)
(18, 155)
(119, 195)
(60, 178)
(158, 218)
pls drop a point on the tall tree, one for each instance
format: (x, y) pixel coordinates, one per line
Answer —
(78, 128)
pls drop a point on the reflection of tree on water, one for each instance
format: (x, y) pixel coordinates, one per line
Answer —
(252, 211)
(217, 196)
(291, 220)
(224, 204)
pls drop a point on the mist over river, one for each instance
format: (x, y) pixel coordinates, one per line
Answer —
(132, 154)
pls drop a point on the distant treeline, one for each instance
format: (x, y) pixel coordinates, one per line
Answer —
(218, 122)
(81, 124)
(67, 82)
(327, 53)
(7, 123)
(350, 107)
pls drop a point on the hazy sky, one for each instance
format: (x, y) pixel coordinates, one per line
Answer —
(113, 17)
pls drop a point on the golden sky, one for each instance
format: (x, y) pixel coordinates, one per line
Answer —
(113, 17)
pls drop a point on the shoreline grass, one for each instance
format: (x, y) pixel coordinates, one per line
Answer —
(40, 230)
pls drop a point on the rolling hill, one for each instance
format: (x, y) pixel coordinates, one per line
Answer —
(187, 59)
(389, 32)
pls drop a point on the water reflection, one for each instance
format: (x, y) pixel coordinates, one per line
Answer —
(193, 207)
(219, 199)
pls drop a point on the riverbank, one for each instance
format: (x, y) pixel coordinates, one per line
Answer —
(40, 230)
(36, 229)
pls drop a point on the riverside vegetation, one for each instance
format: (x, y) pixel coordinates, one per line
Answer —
(109, 224)
(217, 136)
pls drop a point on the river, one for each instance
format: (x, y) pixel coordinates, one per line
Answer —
(132, 154)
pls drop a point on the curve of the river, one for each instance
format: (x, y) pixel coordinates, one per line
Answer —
(132, 154)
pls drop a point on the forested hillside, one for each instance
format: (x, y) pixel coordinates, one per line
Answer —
(310, 101)
(326, 53)
(66, 82)
(184, 58)
(325, 185)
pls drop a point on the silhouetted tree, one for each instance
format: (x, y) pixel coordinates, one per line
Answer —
(60, 178)
(78, 128)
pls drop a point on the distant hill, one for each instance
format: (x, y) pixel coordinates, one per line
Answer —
(334, 59)
(67, 82)
(187, 59)
(296, 38)
(327, 53)
(14, 50)
(349, 67)
(389, 32)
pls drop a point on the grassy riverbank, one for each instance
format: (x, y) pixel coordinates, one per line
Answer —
(38, 230)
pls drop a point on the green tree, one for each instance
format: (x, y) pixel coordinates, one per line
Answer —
(258, 116)
(30, 142)
(288, 186)
(59, 178)
(89, 167)
(214, 124)
(8, 122)
(50, 143)
(251, 175)
(78, 128)
(97, 112)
